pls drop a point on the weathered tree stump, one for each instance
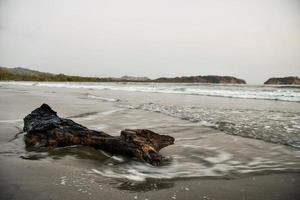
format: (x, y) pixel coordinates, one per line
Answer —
(46, 129)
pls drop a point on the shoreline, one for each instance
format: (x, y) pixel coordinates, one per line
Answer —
(257, 92)
(62, 184)
(236, 163)
(153, 82)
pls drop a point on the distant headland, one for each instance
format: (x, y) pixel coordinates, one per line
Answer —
(23, 74)
(202, 79)
(290, 80)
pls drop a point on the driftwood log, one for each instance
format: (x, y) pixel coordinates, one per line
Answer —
(44, 128)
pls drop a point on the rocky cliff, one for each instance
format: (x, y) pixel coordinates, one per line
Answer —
(202, 79)
(290, 80)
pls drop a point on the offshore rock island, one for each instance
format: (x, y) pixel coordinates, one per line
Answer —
(23, 74)
(290, 80)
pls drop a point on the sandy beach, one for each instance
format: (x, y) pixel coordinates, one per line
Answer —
(149, 100)
(206, 162)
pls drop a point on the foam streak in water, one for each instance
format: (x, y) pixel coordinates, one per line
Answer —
(231, 91)
(219, 164)
(271, 126)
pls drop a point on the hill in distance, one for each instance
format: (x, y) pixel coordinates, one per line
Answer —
(23, 74)
(289, 80)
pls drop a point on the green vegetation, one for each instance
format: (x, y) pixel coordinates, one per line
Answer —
(5, 75)
(23, 74)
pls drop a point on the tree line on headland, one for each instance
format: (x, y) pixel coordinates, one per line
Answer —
(23, 74)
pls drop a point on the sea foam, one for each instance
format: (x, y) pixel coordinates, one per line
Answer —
(280, 93)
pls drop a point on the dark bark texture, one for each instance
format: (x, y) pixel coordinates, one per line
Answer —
(44, 128)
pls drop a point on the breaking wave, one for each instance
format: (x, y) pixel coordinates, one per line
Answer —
(271, 126)
(280, 93)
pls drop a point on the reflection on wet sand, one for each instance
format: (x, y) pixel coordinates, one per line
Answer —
(202, 158)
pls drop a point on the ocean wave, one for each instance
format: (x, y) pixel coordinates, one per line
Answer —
(271, 126)
(11, 121)
(194, 164)
(102, 98)
(280, 93)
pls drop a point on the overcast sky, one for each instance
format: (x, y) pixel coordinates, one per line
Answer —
(249, 39)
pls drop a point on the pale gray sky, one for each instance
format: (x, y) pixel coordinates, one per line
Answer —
(250, 39)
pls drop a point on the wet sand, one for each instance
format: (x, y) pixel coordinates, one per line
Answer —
(67, 173)
(34, 180)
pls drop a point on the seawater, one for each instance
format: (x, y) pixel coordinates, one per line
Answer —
(273, 92)
(208, 138)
